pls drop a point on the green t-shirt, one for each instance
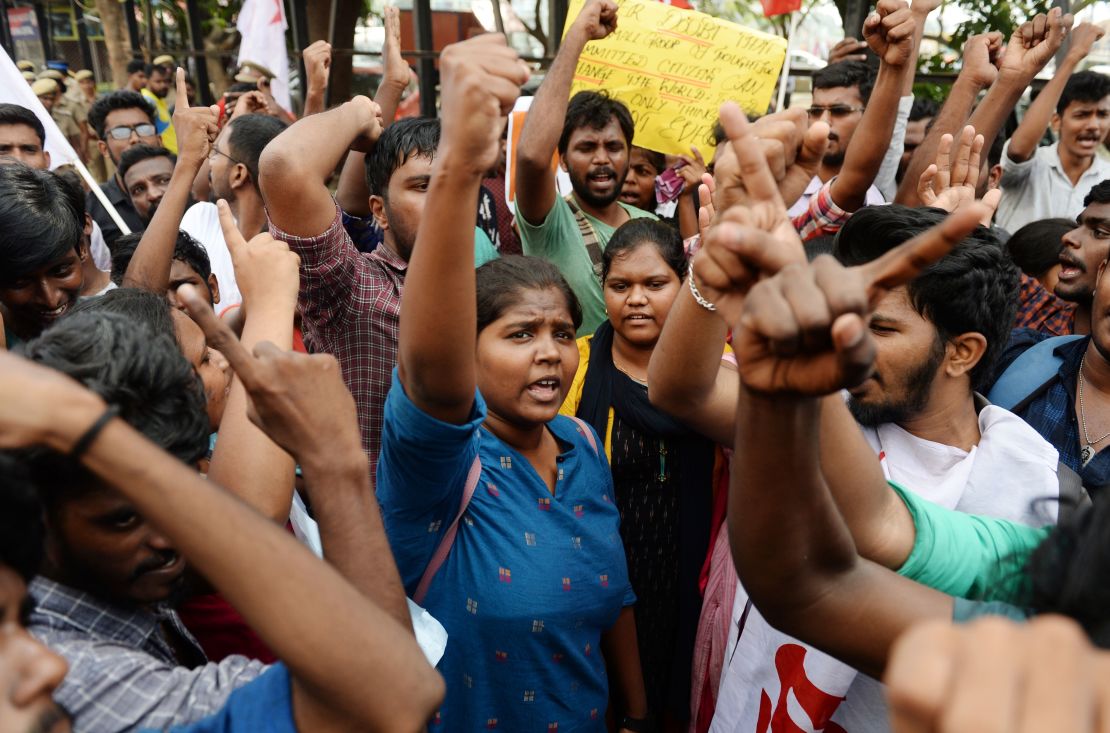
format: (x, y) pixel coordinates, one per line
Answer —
(968, 556)
(484, 251)
(559, 240)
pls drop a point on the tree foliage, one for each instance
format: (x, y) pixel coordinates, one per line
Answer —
(1003, 15)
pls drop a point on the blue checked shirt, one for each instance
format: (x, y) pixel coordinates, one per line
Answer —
(1052, 413)
(123, 671)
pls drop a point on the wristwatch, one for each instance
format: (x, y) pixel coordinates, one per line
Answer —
(637, 725)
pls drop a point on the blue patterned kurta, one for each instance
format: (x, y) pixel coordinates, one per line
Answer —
(532, 580)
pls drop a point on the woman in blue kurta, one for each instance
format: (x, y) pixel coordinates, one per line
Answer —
(534, 592)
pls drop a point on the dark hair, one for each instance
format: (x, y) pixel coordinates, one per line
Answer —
(923, 107)
(71, 182)
(160, 68)
(1099, 194)
(21, 526)
(242, 87)
(658, 160)
(719, 135)
(1067, 572)
(134, 66)
(138, 306)
(193, 254)
(187, 250)
(972, 289)
(249, 135)
(500, 282)
(414, 137)
(1083, 86)
(594, 110)
(635, 232)
(122, 99)
(846, 74)
(123, 249)
(133, 367)
(994, 155)
(38, 223)
(1035, 248)
(138, 153)
(14, 114)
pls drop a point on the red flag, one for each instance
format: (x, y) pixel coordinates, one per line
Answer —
(778, 7)
(678, 4)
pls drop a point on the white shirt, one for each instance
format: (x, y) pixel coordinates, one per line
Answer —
(1040, 189)
(98, 248)
(202, 222)
(1009, 474)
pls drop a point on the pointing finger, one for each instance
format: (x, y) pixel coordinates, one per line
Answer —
(182, 90)
(905, 262)
(219, 336)
(232, 236)
(756, 174)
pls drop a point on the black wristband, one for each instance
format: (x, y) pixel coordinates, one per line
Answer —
(637, 725)
(86, 440)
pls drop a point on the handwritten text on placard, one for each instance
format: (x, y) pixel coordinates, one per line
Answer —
(674, 68)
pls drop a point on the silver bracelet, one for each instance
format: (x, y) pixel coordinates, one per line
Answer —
(697, 295)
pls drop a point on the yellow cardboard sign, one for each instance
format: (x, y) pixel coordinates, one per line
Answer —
(675, 67)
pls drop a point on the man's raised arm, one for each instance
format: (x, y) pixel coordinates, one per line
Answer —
(535, 188)
(296, 165)
(890, 31)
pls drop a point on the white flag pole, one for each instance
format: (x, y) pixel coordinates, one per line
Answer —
(786, 63)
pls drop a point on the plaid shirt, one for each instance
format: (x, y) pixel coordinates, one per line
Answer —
(1043, 311)
(350, 307)
(123, 672)
(823, 216)
(1052, 412)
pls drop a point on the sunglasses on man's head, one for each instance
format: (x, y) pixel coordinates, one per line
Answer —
(123, 131)
(834, 110)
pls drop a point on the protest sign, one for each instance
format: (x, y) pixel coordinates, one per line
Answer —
(674, 68)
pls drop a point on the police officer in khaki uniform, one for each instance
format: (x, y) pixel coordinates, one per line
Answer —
(48, 92)
(79, 113)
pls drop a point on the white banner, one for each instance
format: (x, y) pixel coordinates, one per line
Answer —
(262, 25)
(15, 90)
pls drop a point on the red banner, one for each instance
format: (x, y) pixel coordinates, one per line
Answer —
(778, 7)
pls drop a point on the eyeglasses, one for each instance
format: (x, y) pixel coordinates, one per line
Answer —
(216, 151)
(834, 110)
(123, 132)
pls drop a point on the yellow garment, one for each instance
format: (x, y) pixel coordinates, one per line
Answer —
(574, 395)
(164, 122)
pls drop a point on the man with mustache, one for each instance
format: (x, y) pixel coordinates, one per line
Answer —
(1040, 183)
(1067, 398)
(593, 135)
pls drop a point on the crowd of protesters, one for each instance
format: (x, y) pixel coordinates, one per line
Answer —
(805, 434)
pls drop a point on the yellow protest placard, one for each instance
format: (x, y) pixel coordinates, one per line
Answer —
(674, 68)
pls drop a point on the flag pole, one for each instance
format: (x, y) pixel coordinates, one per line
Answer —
(786, 62)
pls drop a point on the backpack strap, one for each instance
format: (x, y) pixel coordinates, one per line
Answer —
(1029, 374)
(589, 235)
(1073, 495)
(449, 537)
(444, 547)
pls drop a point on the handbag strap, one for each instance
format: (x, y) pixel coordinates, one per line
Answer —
(448, 540)
(589, 236)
